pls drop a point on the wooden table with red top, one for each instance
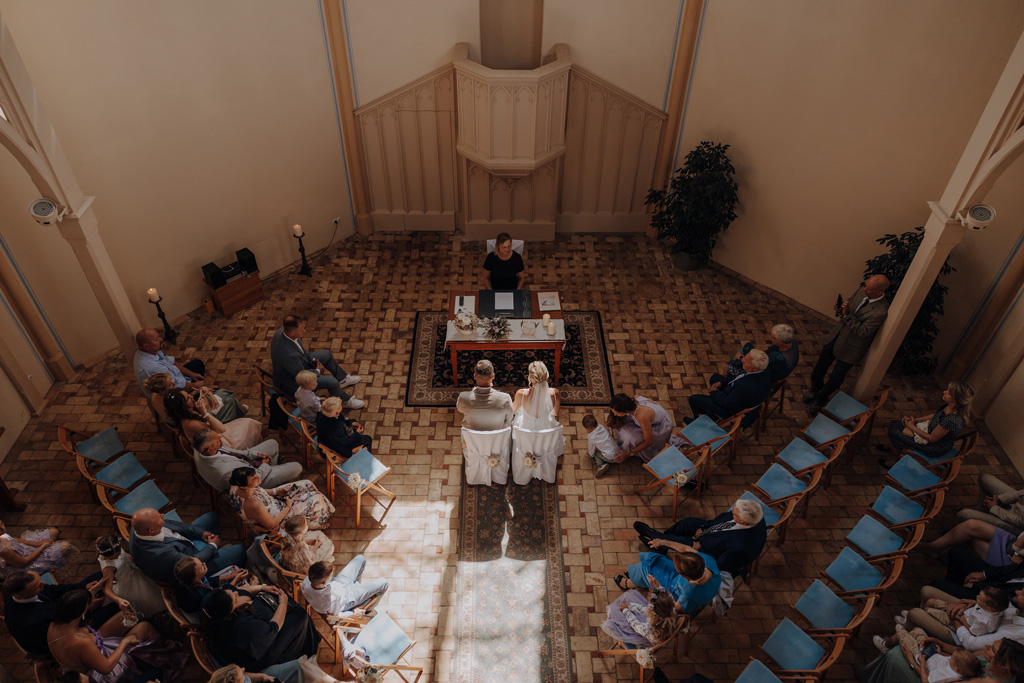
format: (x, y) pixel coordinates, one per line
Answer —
(478, 342)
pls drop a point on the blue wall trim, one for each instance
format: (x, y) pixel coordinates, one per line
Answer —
(689, 90)
(337, 112)
(672, 56)
(35, 302)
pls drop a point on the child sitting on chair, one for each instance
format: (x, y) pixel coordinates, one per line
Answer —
(302, 547)
(332, 430)
(600, 445)
(305, 398)
(343, 595)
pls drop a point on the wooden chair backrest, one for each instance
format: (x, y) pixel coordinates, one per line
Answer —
(201, 653)
(171, 603)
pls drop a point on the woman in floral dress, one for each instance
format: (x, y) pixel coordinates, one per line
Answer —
(268, 509)
(37, 551)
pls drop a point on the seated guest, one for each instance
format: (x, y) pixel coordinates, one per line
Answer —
(124, 585)
(343, 595)
(192, 416)
(692, 578)
(193, 583)
(948, 664)
(39, 551)
(301, 670)
(290, 358)
(112, 659)
(600, 445)
(158, 384)
(256, 627)
(29, 605)
(149, 360)
(305, 396)
(982, 618)
(782, 356)
(267, 509)
(933, 435)
(954, 629)
(734, 538)
(302, 547)
(215, 462)
(1001, 505)
(997, 547)
(504, 267)
(640, 623)
(157, 544)
(743, 391)
(225, 408)
(341, 435)
(641, 426)
(484, 408)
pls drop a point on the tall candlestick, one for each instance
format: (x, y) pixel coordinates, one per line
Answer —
(297, 229)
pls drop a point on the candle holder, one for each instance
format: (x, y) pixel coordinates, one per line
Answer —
(170, 335)
(305, 269)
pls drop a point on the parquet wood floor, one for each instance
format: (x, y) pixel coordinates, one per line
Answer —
(665, 332)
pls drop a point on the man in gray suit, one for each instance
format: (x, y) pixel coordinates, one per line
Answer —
(215, 462)
(483, 408)
(860, 318)
(289, 358)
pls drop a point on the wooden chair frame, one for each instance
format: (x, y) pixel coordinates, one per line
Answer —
(889, 576)
(910, 541)
(931, 509)
(619, 648)
(104, 495)
(866, 604)
(865, 420)
(798, 497)
(778, 388)
(701, 465)
(334, 460)
(171, 603)
(397, 668)
(968, 441)
(305, 429)
(838, 642)
(946, 478)
(289, 581)
(63, 433)
(202, 655)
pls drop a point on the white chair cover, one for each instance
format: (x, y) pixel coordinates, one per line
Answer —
(477, 447)
(547, 445)
(517, 246)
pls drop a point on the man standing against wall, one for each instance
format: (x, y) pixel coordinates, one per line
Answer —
(860, 318)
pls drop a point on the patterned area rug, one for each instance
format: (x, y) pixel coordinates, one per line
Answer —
(584, 378)
(511, 615)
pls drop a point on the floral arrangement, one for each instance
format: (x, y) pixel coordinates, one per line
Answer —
(496, 328)
(355, 480)
(645, 659)
(493, 461)
(530, 460)
(681, 477)
(465, 322)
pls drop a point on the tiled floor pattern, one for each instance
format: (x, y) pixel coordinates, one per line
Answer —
(665, 331)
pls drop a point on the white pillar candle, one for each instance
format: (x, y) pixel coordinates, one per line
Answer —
(153, 294)
(547, 319)
(297, 229)
(551, 328)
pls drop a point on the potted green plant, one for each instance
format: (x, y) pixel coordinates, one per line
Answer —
(699, 204)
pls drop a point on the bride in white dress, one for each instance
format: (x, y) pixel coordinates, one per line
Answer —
(536, 407)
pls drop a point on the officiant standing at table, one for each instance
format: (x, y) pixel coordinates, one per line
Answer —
(504, 267)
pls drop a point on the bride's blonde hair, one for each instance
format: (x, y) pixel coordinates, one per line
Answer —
(538, 372)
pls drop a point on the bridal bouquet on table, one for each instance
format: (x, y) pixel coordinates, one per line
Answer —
(466, 323)
(496, 328)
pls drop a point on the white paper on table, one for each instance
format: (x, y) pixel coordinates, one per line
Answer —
(468, 305)
(548, 301)
(504, 301)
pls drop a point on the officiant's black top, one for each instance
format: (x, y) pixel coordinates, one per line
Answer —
(504, 274)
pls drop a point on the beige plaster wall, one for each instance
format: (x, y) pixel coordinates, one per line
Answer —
(200, 128)
(629, 44)
(844, 119)
(395, 42)
(1003, 418)
(15, 414)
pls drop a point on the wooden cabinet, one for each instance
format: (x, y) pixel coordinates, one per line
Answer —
(237, 294)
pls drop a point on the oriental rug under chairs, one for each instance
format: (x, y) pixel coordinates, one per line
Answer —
(795, 653)
(486, 455)
(386, 646)
(535, 454)
(666, 648)
(675, 470)
(359, 474)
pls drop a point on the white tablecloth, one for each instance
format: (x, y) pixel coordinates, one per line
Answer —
(515, 333)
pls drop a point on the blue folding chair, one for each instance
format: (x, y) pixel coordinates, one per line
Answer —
(386, 646)
(824, 430)
(801, 457)
(370, 471)
(850, 412)
(826, 612)
(899, 510)
(756, 672)
(963, 446)
(301, 427)
(705, 431)
(671, 460)
(779, 484)
(122, 475)
(796, 653)
(914, 479)
(857, 576)
(878, 541)
(145, 495)
(92, 452)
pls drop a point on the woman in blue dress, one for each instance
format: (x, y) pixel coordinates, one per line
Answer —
(692, 578)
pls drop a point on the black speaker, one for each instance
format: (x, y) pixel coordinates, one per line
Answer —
(247, 260)
(212, 274)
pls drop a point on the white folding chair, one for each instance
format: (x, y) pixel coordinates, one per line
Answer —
(481, 450)
(544, 448)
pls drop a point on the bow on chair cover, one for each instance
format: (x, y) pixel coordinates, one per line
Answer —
(478, 447)
(545, 445)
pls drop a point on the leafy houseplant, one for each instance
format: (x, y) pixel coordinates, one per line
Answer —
(700, 202)
(912, 357)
